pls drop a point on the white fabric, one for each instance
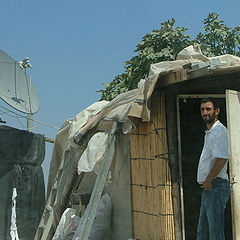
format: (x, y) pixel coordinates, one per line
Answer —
(120, 106)
(192, 52)
(82, 118)
(162, 67)
(224, 61)
(215, 146)
(93, 153)
(101, 223)
(129, 104)
(13, 228)
(67, 225)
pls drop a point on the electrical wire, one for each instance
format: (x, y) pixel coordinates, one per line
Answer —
(7, 113)
(17, 116)
(3, 113)
(20, 123)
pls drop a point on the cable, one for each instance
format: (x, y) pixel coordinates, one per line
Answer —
(2, 112)
(21, 116)
(45, 124)
(20, 123)
(7, 113)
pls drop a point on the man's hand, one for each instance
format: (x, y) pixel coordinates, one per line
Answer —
(207, 185)
(217, 167)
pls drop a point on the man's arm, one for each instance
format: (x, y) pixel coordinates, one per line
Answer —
(216, 169)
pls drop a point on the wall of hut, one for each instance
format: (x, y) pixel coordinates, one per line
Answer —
(151, 185)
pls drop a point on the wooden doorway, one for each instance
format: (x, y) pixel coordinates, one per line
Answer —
(190, 142)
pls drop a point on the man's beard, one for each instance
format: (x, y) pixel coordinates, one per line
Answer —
(211, 119)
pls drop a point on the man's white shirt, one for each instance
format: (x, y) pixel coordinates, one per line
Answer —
(215, 146)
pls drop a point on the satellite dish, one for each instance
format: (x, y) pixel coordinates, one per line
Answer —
(16, 88)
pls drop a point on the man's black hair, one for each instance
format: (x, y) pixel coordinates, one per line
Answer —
(212, 100)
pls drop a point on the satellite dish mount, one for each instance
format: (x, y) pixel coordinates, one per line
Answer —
(16, 88)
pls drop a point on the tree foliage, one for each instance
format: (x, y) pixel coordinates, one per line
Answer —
(217, 38)
(165, 43)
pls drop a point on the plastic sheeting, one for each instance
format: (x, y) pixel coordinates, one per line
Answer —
(81, 119)
(64, 138)
(93, 153)
(133, 103)
(193, 55)
(21, 154)
(101, 114)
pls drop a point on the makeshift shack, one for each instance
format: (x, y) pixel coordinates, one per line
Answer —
(142, 148)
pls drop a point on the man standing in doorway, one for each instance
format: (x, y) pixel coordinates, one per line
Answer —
(212, 174)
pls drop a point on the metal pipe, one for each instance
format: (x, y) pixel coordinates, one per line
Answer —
(29, 122)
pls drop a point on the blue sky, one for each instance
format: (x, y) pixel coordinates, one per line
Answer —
(75, 46)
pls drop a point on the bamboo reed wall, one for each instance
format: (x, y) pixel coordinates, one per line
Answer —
(152, 209)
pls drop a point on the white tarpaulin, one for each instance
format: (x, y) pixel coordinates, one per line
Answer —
(192, 54)
(93, 153)
(82, 118)
(64, 137)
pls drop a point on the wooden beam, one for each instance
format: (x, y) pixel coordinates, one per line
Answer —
(50, 140)
(173, 160)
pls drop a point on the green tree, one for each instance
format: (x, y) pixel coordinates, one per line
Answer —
(165, 43)
(218, 39)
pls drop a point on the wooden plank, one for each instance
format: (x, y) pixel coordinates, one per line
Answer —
(233, 116)
(50, 140)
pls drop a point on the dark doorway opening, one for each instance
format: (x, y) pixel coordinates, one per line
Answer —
(192, 138)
